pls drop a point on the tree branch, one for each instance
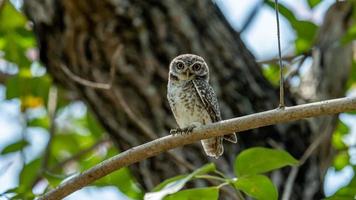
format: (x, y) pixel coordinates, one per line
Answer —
(166, 143)
(91, 84)
(310, 150)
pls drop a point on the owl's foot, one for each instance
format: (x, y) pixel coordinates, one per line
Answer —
(182, 131)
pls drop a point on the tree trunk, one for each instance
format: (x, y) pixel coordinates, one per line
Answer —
(85, 37)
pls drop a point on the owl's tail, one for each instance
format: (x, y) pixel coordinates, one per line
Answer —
(231, 138)
(213, 147)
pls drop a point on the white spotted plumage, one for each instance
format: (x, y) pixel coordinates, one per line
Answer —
(192, 99)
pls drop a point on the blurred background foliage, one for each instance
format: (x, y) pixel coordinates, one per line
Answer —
(76, 140)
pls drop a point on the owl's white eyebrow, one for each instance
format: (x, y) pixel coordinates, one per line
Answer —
(196, 62)
(179, 61)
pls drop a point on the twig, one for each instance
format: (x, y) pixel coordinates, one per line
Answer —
(295, 71)
(289, 183)
(251, 16)
(281, 81)
(166, 143)
(210, 177)
(287, 58)
(238, 195)
(52, 105)
(294, 171)
(213, 179)
(87, 83)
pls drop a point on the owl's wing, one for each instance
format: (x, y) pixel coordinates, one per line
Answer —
(210, 102)
(208, 98)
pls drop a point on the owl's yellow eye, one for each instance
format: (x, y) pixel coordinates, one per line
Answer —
(180, 65)
(196, 67)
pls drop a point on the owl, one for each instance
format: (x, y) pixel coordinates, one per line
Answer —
(193, 101)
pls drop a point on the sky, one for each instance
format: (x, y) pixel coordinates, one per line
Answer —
(236, 11)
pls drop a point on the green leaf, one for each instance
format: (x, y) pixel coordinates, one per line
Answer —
(122, 179)
(22, 86)
(9, 191)
(337, 139)
(176, 184)
(209, 193)
(283, 10)
(257, 186)
(341, 160)
(271, 73)
(71, 143)
(16, 39)
(350, 35)
(260, 160)
(313, 3)
(8, 11)
(17, 146)
(306, 33)
(167, 181)
(351, 82)
(94, 127)
(67, 143)
(28, 174)
(306, 30)
(42, 122)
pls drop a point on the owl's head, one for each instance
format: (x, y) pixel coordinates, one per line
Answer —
(188, 67)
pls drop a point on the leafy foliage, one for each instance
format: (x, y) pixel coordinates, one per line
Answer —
(77, 134)
(72, 144)
(271, 72)
(260, 160)
(305, 30)
(210, 193)
(14, 147)
(257, 186)
(313, 3)
(173, 185)
(249, 166)
(15, 37)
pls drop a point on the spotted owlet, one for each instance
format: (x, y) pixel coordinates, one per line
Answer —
(193, 100)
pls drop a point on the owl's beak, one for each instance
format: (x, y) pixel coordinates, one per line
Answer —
(188, 73)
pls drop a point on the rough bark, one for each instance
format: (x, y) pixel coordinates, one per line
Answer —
(85, 37)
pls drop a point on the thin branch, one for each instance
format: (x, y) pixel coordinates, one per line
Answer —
(52, 105)
(289, 183)
(281, 80)
(295, 71)
(91, 84)
(291, 58)
(251, 16)
(274, 60)
(294, 171)
(166, 143)
(210, 177)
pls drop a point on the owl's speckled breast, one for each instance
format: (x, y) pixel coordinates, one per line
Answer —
(186, 104)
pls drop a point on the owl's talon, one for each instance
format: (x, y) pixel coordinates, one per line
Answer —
(174, 131)
(182, 131)
(190, 129)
